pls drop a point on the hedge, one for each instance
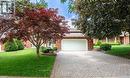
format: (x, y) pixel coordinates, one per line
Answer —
(19, 44)
(10, 46)
(13, 45)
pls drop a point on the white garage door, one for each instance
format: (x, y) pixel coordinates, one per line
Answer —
(74, 44)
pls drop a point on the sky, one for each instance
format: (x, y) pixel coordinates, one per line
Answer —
(62, 8)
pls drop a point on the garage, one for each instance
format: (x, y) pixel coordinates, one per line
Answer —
(74, 44)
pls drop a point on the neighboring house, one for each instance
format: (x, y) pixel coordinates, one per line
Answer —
(7, 8)
(6, 12)
(122, 39)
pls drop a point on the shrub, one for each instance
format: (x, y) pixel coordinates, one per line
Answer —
(43, 49)
(47, 50)
(98, 43)
(55, 48)
(105, 47)
(50, 50)
(19, 44)
(10, 46)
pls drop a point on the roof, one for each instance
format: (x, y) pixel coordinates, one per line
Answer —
(124, 34)
(74, 35)
(73, 30)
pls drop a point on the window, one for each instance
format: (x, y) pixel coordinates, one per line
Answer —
(6, 7)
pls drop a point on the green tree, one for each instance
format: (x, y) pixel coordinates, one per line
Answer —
(96, 18)
(102, 18)
(122, 9)
(21, 4)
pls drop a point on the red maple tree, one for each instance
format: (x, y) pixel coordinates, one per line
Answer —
(35, 25)
(6, 26)
(39, 26)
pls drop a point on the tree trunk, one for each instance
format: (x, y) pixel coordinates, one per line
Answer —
(124, 39)
(38, 51)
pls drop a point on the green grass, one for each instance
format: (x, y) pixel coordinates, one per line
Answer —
(25, 63)
(120, 50)
(96, 47)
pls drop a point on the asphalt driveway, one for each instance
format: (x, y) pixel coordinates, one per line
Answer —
(90, 65)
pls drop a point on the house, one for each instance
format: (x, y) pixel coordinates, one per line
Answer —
(74, 40)
(7, 8)
(122, 39)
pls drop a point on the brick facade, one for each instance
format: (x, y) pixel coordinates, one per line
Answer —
(121, 39)
(58, 44)
(124, 40)
(27, 44)
(89, 42)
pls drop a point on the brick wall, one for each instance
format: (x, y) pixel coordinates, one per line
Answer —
(123, 40)
(58, 44)
(126, 40)
(27, 44)
(90, 43)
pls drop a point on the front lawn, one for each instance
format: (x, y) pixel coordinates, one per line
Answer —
(120, 50)
(25, 63)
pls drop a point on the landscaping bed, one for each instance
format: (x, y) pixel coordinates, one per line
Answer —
(25, 63)
(49, 54)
